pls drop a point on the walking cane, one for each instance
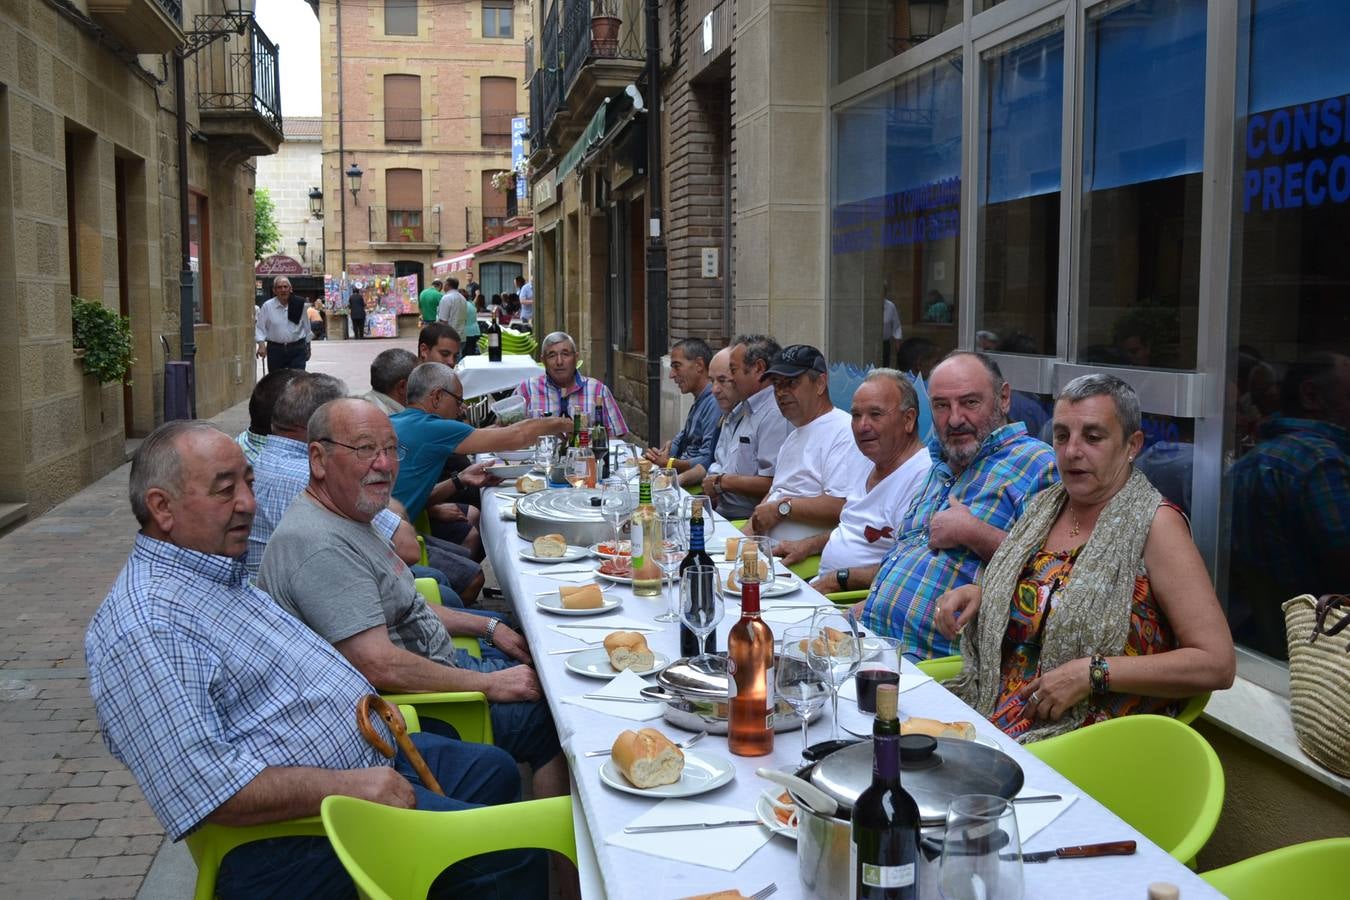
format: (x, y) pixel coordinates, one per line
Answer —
(396, 727)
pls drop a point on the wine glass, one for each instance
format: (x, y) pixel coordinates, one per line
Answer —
(701, 607)
(580, 466)
(981, 852)
(835, 651)
(616, 504)
(544, 450)
(670, 552)
(666, 498)
(800, 686)
(764, 552)
(878, 668)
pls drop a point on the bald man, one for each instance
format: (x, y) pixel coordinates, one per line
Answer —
(281, 329)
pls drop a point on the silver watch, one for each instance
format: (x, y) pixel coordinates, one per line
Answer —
(785, 508)
(492, 630)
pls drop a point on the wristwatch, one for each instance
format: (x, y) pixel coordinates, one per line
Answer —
(459, 485)
(491, 630)
(841, 576)
(785, 508)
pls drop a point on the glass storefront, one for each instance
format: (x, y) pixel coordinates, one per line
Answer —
(869, 32)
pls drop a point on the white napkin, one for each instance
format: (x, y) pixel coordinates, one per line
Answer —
(785, 616)
(573, 577)
(587, 634)
(718, 848)
(1033, 817)
(627, 684)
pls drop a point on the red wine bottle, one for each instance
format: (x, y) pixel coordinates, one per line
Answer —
(698, 556)
(494, 339)
(885, 828)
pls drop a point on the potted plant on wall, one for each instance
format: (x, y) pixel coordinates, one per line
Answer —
(105, 338)
(504, 181)
(408, 234)
(605, 23)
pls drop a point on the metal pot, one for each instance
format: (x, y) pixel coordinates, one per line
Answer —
(933, 771)
(575, 514)
(696, 700)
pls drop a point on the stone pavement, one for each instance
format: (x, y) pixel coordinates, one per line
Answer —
(72, 821)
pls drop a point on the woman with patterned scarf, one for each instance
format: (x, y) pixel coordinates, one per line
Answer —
(1098, 602)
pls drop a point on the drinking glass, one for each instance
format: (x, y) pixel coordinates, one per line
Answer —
(580, 467)
(544, 450)
(764, 550)
(709, 518)
(981, 853)
(800, 686)
(701, 607)
(669, 554)
(836, 660)
(666, 498)
(616, 504)
(880, 665)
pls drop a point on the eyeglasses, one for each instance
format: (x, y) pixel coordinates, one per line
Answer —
(458, 397)
(367, 452)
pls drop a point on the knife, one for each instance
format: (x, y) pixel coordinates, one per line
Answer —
(608, 699)
(1082, 851)
(688, 826)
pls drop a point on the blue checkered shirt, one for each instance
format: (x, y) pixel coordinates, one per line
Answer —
(201, 681)
(696, 441)
(995, 487)
(279, 476)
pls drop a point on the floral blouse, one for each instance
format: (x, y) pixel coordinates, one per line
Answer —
(1034, 602)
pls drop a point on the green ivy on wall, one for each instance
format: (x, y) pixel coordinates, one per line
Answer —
(105, 338)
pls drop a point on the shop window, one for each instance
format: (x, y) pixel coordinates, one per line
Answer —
(1288, 491)
(403, 108)
(400, 17)
(497, 98)
(199, 256)
(403, 204)
(498, 277)
(869, 32)
(1020, 129)
(895, 223)
(1143, 141)
(497, 18)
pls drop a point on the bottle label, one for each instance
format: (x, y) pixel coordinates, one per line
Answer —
(887, 876)
(636, 548)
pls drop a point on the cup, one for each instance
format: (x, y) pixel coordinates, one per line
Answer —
(877, 668)
(981, 851)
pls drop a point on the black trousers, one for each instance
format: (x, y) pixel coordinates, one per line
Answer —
(359, 327)
(286, 356)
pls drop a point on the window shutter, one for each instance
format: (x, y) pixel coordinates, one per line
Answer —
(403, 108)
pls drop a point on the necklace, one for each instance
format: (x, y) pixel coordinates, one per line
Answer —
(1073, 521)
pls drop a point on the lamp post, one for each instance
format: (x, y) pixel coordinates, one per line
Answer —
(354, 182)
(300, 245)
(316, 212)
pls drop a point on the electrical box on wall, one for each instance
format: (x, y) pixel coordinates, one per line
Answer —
(708, 257)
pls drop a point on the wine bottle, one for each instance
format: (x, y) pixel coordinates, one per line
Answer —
(600, 445)
(697, 556)
(750, 653)
(885, 830)
(494, 339)
(646, 537)
(575, 440)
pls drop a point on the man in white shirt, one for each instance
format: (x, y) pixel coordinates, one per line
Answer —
(885, 417)
(453, 309)
(819, 462)
(891, 334)
(525, 291)
(281, 329)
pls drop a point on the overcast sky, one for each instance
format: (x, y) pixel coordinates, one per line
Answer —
(294, 27)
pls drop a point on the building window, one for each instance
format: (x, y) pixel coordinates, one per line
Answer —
(869, 32)
(1143, 141)
(1020, 131)
(403, 108)
(199, 256)
(497, 18)
(497, 102)
(498, 206)
(1289, 398)
(400, 17)
(403, 204)
(498, 277)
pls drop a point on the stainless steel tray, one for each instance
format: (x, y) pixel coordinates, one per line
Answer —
(564, 511)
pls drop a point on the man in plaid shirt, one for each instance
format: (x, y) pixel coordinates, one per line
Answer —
(984, 472)
(562, 391)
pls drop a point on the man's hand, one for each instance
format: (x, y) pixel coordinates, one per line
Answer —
(447, 512)
(380, 784)
(659, 455)
(793, 552)
(477, 475)
(950, 526)
(262, 349)
(513, 685)
(511, 642)
(710, 488)
(764, 517)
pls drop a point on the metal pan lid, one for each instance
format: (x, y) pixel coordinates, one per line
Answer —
(694, 682)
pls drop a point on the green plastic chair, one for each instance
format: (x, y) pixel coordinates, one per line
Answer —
(943, 668)
(1157, 774)
(847, 598)
(806, 569)
(209, 843)
(1193, 708)
(397, 853)
(431, 592)
(1312, 871)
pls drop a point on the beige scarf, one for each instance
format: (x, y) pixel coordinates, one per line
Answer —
(1092, 611)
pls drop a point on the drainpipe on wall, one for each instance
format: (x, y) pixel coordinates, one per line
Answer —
(186, 334)
(342, 147)
(657, 326)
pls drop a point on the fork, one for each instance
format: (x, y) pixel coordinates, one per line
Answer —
(768, 890)
(683, 745)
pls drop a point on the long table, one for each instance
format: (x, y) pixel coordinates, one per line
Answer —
(616, 872)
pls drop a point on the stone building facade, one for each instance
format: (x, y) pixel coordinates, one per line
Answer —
(89, 206)
(289, 175)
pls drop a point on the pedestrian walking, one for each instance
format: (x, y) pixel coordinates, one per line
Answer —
(357, 307)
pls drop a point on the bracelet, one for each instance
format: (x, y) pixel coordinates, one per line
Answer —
(717, 483)
(491, 630)
(459, 484)
(1099, 675)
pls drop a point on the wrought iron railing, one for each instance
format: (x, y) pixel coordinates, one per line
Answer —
(172, 8)
(581, 42)
(549, 77)
(240, 75)
(529, 59)
(392, 225)
(483, 224)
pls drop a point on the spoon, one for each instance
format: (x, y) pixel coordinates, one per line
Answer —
(683, 745)
(819, 801)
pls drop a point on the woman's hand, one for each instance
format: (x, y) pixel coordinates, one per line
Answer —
(956, 608)
(1056, 692)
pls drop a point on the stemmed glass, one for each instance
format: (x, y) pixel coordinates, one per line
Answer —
(616, 504)
(544, 450)
(800, 686)
(701, 607)
(981, 852)
(669, 554)
(580, 466)
(666, 498)
(836, 660)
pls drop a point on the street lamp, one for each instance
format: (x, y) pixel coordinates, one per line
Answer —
(354, 182)
(301, 245)
(316, 203)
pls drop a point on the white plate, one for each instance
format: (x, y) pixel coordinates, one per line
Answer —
(570, 555)
(595, 664)
(764, 810)
(702, 773)
(553, 604)
(515, 456)
(509, 471)
(627, 579)
(599, 554)
(871, 647)
(777, 588)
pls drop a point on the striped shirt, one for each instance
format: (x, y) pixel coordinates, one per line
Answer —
(252, 445)
(280, 475)
(1009, 468)
(585, 395)
(200, 682)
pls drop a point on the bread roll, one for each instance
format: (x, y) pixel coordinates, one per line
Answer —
(629, 650)
(936, 728)
(550, 545)
(734, 584)
(585, 596)
(733, 548)
(528, 484)
(647, 758)
(833, 638)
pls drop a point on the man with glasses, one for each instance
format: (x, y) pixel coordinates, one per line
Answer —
(563, 391)
(752, 433)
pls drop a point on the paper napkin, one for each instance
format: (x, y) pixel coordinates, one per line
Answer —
(629, 685)
(587, 633)
(1033, 817)
(720, 848)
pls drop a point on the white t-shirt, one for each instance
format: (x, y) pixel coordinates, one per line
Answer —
(890, 321)
(818, 458)
(881, 509)
(527, 301)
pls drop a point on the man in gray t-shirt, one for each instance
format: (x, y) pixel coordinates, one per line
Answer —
(325, 565)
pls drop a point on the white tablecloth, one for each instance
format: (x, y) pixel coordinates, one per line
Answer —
(627, 873)
(479, 376)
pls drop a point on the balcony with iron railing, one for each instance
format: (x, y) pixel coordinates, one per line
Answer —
(404, 229)
(602, 32)
(546, 83)
(239, 91)
(483, 224)
(142, 26)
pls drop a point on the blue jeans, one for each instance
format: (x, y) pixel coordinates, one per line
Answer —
(471, 775)
(524, 729)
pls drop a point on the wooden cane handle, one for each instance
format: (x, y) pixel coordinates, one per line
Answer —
(373, 737)
(394, 722)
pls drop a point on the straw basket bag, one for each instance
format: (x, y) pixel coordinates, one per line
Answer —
(1319, 677)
